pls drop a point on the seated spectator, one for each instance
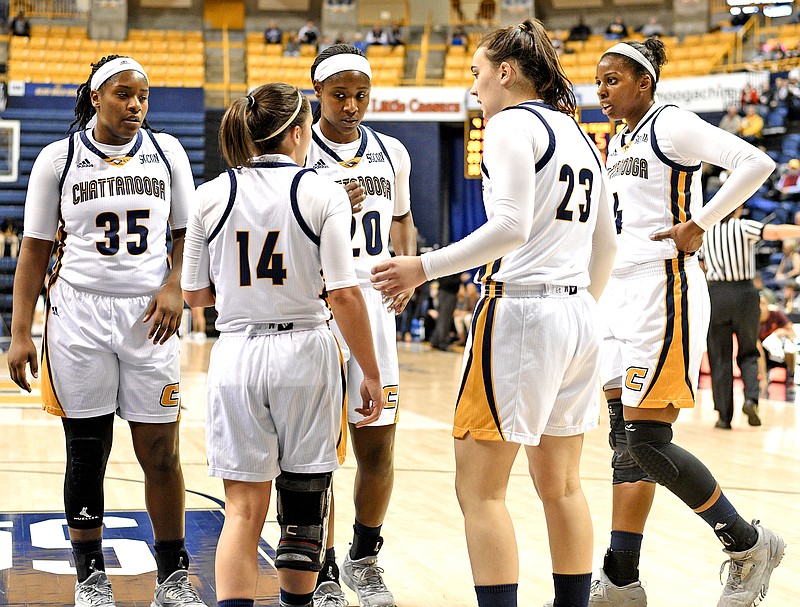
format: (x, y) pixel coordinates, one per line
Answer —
(468, 296)
(779, 101)
(776, 345)
(789, 183)
(273, 34)
(19, 25)
(731, 121)
(396, 36)
(309, 33)
(652, 28)
(752, 125)
(459, 37)
(788, 271)
(8, 236)
(376, 35)
(579, 32)
(292, 48)
(324, 43)
(359, 42)
(617, 29)
(750, 96)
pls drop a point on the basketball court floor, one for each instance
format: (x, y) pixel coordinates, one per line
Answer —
(424, 553)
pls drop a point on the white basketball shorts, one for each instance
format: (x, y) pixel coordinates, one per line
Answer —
(274, 403)
(97, 359)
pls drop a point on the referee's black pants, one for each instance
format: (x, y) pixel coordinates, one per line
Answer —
(734, 309)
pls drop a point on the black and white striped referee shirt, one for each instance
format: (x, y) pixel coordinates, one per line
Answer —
(729, 250)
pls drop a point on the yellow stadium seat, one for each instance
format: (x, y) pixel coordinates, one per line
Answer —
(195, 46)
(40, 42)
(254, 37)
(57, 31)
(134, 34)
(378, 50)
(458, 49)
(76, 31)
(569, 59)
(308, 50)
(39, 30)
(193, 35)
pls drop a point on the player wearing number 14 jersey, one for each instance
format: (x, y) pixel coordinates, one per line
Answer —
(375, 170)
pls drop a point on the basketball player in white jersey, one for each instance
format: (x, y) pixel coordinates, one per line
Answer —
(106, 195)
(264, 234)
(657, 309)
(530, 366)
(375, 169)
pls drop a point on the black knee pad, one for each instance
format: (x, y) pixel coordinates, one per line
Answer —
(650, 444)
(623, 466)
(88, 443)
(303, 502)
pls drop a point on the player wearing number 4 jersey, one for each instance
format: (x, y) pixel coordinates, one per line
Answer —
(106, 195)
(657, 310)
(375, 170)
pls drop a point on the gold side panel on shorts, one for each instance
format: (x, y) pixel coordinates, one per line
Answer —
(341, 441)
(671, 383)
(476, 406)
(50, 401)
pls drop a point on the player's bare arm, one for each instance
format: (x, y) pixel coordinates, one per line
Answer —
(167, 306)
(403, 234)
(34, 256)
(357, 195)
(350, 311)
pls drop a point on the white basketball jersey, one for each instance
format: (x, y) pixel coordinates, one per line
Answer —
(373, 168)
(114, 215)
(264, 257)
(651, 192)
(569, 186)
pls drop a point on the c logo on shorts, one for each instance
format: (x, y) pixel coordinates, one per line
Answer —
(634, 377)
(390, 397)
(171, 395)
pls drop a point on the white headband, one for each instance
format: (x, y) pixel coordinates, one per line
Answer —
(114, 67)
(343, 62)
(279, 130)
(636, 55)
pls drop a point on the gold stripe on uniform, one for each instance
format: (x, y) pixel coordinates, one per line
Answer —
(671, 383)
(476, 406)
(50, 401)
(341, 441)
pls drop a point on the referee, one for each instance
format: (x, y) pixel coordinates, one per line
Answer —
(729, 258)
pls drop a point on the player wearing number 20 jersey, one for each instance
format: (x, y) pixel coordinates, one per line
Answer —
(382, 166)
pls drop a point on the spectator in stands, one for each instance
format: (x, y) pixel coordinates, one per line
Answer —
(309, 33)
(752, 125)
(273, 34)
(750, 96)
(739, 20)
(617, 29)
(731, 121)
(486, 10)
(376, 35)
(19, 25)
(776, 345)
(779, 101)
(396, 35)
(359, 42)
(8, 236)
(579, 32)
(459, 36)
(455, 8)
(788, 271)
(652, 28)
(292, 48)
(789, 183)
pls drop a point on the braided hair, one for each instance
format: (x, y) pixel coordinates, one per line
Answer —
(84, 110)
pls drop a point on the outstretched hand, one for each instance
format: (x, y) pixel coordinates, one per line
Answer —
(688, 237)
(398, 274)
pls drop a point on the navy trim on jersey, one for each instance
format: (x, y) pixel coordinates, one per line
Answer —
(272, 165)
(551, 146)
(484, 170)
(228, 209)
(638, 128)
(160, 151)
(70, 154)
(129, 154)
(660, 154)
(325, 148)
(486, 367)
(296, 208)
(383, 147)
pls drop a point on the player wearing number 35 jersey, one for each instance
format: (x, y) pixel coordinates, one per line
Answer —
(106, 195)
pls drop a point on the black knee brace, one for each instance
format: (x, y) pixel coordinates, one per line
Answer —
(88, 443)
(650, 444)
(302, 503)
(624, 467)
